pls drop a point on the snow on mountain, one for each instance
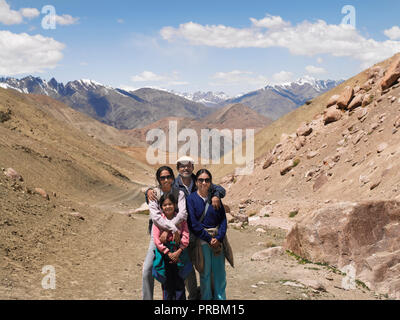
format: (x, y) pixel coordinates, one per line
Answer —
(210, 99)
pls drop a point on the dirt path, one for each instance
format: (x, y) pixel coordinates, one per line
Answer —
(101, 258)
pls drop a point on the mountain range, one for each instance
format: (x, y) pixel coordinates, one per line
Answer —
(125, 109)
(274, 101)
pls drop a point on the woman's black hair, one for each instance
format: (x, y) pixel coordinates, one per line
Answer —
(161, 169)
(201, 171)
(169, 196)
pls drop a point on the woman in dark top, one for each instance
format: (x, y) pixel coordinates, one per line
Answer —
(210, 228)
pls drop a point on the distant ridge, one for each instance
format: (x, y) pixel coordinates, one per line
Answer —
(116, 107)
(274, 101)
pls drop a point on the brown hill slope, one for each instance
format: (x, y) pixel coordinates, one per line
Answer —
(336, 178)
(95, 129)
(268, 137)
(51, 153)
(90, 187)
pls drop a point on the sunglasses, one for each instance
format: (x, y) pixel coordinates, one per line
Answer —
(207, 180)
(165, 177)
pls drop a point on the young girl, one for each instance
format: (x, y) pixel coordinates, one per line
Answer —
(171, 263)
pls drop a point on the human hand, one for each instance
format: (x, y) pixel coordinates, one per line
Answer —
(151, 195)
(177, 238)
(163, 237)
(216, 202)
(174, 257)
(215, 243)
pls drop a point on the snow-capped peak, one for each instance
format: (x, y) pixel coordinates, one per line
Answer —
(90, 83)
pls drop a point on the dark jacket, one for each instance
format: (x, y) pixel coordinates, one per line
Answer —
(213, 218)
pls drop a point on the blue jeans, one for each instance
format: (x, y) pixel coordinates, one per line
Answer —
(214, 265)
(147, 276)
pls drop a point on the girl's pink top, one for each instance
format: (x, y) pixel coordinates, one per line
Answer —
(183, 230)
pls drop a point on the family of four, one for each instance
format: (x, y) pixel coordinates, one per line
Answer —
(188, 228)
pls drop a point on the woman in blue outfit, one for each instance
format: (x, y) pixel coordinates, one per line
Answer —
(210, 226)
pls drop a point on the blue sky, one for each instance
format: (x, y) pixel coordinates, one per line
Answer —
(230, 46)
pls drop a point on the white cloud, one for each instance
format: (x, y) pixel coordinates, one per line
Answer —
(305, 38)
(239, 77)
(22, 53)
(30, 13)
(66, 20)
(270, 22)
(283, 76)
(9, 16)
(121, 21)
(168, 80)
(320, 60)
(393, 33)
(315, 70)
(147, 76)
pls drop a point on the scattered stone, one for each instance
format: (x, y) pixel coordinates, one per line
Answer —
(332, 115)
(312, 154)
(299, 142)
(368, 98)
(314, 284)
(229, 218)
(286, 167)
(358, 137)
(345, 97)
(267, 253)
(382, 147)
(260, 230)
(304, 130)
(392, 74)
(268, 162)
(77, 215)
(43, 193)
(367, 86)
(397, 123)
(293, 284)
(361, 113)
(237, 225)
(12, 174)
(333, 100)
(364, 179)
(375, 184)
(356, 102)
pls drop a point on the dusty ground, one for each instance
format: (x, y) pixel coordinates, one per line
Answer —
(99, 255)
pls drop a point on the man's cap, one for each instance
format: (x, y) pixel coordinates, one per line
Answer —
(185, 160)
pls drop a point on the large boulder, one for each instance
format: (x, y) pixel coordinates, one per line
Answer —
(392, 74)
(356, 102)
(304, 130)
(332, 115)
(345, 97)
(364, 235)
(333, 100)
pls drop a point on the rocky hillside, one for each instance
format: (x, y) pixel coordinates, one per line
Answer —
(115, 107)
(52, 154)
(332, 182)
